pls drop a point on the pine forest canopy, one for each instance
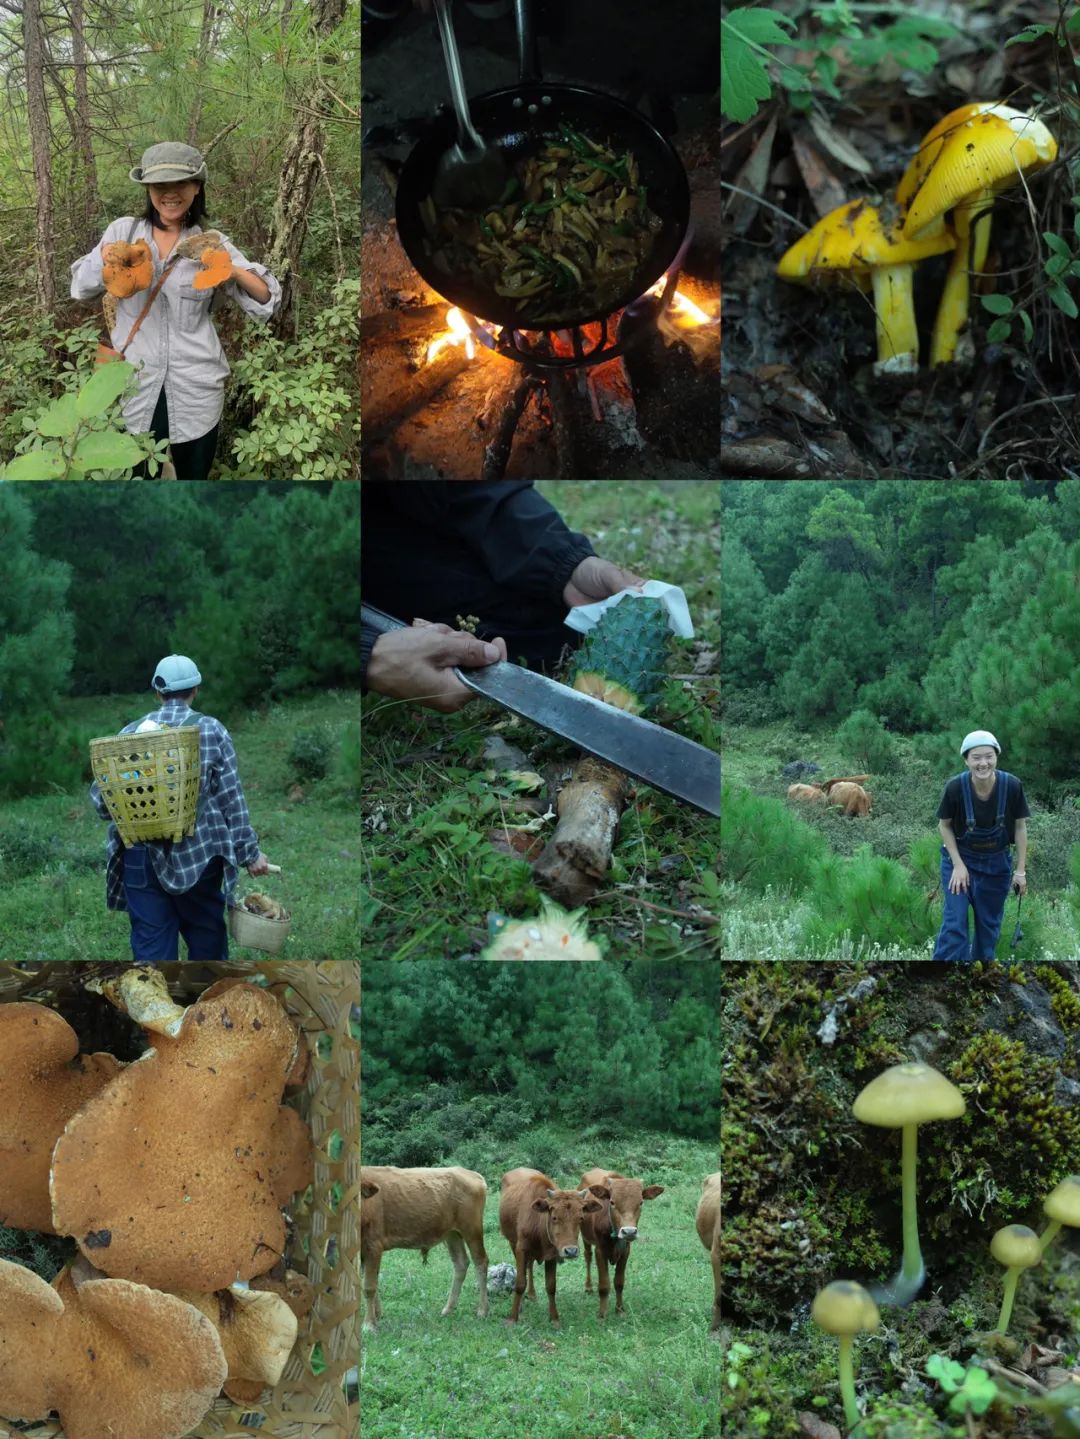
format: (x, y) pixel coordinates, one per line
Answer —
(935, 607)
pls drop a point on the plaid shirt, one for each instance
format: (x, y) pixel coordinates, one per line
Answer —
(222, 825)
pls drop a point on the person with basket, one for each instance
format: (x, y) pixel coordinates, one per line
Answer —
(160, 274)
(173, 888)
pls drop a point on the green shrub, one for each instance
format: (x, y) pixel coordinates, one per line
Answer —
(869, 898)
(765, 844)
(865, 738)
(310, 754)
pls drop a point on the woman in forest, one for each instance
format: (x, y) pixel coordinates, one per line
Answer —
(163, 272)
(983, 812)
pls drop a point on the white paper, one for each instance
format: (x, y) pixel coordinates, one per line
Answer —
(583, 617)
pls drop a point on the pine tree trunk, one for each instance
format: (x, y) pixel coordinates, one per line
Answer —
(206, 40)
(37, 115)
(87, 187)
(300, 174)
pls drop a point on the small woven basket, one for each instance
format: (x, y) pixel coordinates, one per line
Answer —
(311, 1399)
(149, 782)
(256, 931)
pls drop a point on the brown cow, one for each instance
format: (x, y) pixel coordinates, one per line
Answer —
(708, 1227)
(613, 1230)
(540, 1221)
(807, 793)
(850, 796)
(417, 1209)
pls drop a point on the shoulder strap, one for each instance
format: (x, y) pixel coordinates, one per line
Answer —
(1003, 794)
(969, 808)
(151, 297)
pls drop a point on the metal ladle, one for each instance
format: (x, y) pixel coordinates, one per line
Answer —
(471, 174)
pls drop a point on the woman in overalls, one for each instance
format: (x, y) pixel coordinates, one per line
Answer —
(982, 813)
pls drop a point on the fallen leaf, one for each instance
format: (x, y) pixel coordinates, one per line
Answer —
(815, 1428)
(839, 148)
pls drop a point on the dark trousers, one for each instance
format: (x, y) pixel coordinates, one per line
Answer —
(159, 918)
(191, 458)
(989, 881)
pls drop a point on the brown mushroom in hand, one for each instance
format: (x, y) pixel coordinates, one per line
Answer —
(44, 1080)
(111, 1357)
(175, 1175)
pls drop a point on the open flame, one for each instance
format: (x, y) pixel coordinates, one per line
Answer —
(457, 334)
(682, 308)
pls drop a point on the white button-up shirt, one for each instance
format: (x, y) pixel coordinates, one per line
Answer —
(177, 345)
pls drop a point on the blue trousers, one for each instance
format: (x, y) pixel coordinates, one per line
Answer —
(159, 918)
(989, 881)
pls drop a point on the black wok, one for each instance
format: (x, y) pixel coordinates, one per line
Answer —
(521, 119)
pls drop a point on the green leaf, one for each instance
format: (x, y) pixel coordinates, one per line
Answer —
(37, 465)
(103, 388)
(1029, 33)
(744, 80)
(999, 330)
(107, 450)
(1029, 328)
(60, 420)
(1063, 300)
(1056, 265)
(1076, 217)
(997, 304)
(1057, 244)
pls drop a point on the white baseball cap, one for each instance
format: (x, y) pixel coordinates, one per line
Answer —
(977, 737)
(175, 672)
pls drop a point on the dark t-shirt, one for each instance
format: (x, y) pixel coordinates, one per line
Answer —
(952, 806)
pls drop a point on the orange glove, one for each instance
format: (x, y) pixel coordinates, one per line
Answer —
(127, 268)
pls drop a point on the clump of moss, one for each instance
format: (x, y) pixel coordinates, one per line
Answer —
(45, 1254)
(1063, 1001)
(894, 1419)
(771, 1247)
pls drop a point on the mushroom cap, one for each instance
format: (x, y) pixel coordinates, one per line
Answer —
(1063, 1201)
(912, 1093)
(171, 1176)
(103, 1353)
(296, 1289)
(855, 239)
(298, 1073)
(844, 1307)
(43, 1082)
(980, 147)
(1016, 1246)
(257, 1330)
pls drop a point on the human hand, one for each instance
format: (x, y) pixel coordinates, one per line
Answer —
(959, 879)
(418, 664)
(597, 579)
(259, 865)
(1019, 883)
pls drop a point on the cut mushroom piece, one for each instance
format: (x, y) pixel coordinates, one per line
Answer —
(257, 1330)
(857, 243)
(111, 1357)
(174, 1176)
(44, 1080)
(143, 995)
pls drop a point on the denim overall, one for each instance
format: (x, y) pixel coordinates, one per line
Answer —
(988, 858)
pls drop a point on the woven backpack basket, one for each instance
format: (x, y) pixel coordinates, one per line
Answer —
(314, 1398)
(149, 782)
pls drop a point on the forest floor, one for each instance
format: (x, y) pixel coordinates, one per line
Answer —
(765, 924)
(437, 863)
(52, 847)
(800, 395)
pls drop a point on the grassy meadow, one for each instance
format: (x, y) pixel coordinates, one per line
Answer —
(436, 816)
(652, 1372)
(52, 847)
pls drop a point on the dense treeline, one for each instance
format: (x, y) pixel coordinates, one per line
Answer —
(933, 608)
(259, 584)
(451, 1050)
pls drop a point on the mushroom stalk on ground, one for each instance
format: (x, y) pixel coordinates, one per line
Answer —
(1061, 1206)
(866, 246)
(1017, 1247)
(903, 1097)
(845, 1309)
(969, 157)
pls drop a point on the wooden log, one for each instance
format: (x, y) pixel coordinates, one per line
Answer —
(562, 421)
(384, 413)
(497, 454)
(578, 855)
(387, 326)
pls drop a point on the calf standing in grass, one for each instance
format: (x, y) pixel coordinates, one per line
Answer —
(540, 1221)
(417, 1209)
(708, 1227)
(613, 1230)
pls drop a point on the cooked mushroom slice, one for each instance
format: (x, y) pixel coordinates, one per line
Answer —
(43, 1081)
(174, 1176)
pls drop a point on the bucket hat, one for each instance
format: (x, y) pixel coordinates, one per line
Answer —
(175, 672)
(168, 161)
(977, 737)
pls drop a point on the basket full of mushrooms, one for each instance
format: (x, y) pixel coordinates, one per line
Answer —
(205, 1191)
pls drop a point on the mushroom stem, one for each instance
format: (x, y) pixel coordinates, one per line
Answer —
(1049, 1234)
(912, 1267)
(1009, 1294)
(847, 1380)
(894, 309)
(969, 258)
